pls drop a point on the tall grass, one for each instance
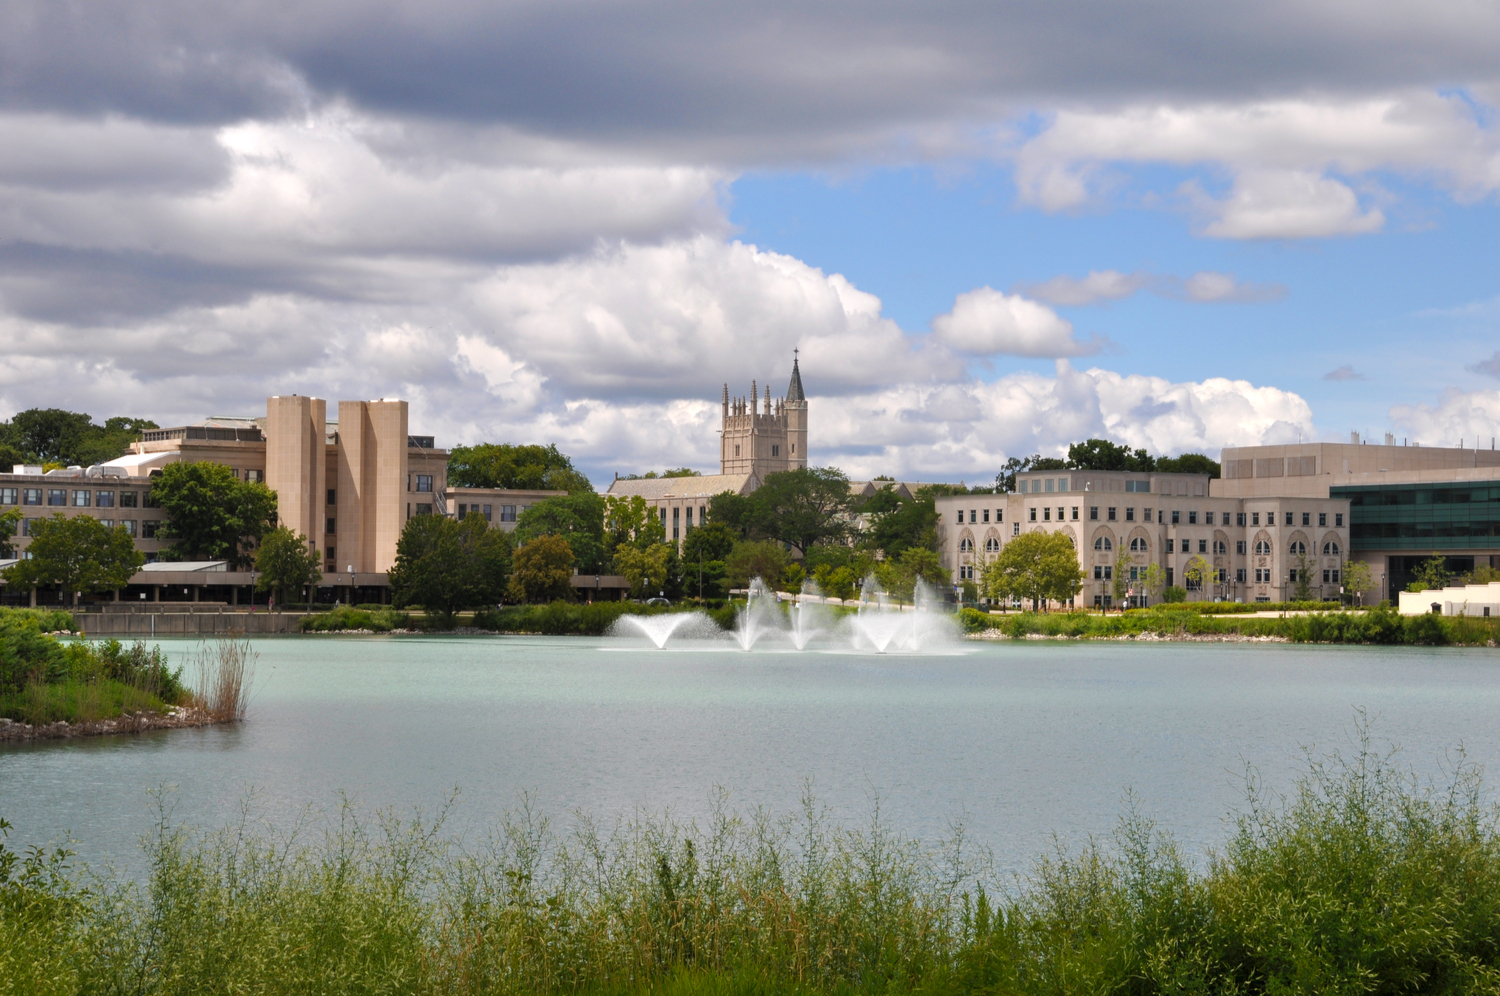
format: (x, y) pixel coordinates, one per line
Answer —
(223, 672)
(1361, 880)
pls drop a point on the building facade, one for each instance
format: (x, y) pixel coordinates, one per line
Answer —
(1120, 523)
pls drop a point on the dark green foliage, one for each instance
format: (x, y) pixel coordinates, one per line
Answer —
(897, 523)
(710, 542)
(286, 561)
(445, 565)
(56, 436)
(43, 680)
(1174, 593)
(75, 554)
(10, 522)
(27, 653)
(375, 618)
(1101, 454)
(504, 465)
(801, 507)
(563, 618)
(211, 514)
(542, 571)
(578, 519)
(764, 559)
(1005, 481)
(1188, 463)
(1433, 573)
(731, 511)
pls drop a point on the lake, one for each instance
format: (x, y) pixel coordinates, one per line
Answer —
(1019, 739)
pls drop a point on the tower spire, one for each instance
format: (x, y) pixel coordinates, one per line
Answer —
(794, 393)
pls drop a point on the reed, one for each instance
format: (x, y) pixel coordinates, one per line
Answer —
(223, 672)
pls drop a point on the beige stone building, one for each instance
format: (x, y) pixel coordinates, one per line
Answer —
(501, 507)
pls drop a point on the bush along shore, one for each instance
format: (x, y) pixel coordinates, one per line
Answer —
(1380, 625)
(53, 688)
(1360, 880)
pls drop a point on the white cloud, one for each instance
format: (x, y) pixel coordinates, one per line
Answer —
(1469, 417)
(1290, 204)
(1099, 286)
(987, 322)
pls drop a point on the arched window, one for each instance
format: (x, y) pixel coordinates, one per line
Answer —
(1103, 543)
(992, 545)
(1330, 549)
(1262, 548)
(1138, 545)
(1220, 546)
(1298, 548)
(966, 545)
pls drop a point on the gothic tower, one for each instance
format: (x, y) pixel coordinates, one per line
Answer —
(762, 438)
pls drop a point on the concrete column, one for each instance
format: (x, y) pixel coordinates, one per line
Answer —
(296, 462)
(234, 594)
(156, 593)
(196, 588)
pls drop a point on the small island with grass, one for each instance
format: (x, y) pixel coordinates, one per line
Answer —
(51, 687)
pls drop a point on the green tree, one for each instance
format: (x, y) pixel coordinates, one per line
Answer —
(9, 522)
(710, 542)
(1120, 584)
(1174, 593)
(542, 571)
(645, 570)
(1303, 592)
(629, 519)
(764, 559)
(503, 465)
(835, 582)
(1433, 573)
(1188, 463)
(446, 565)
(896, 523)
(899, 575)
(286, 561)
(803, 506)
(1101, 454)
(577, 518)
(75, 555)
(211, 514)
(1358, 579)
(1198, 574)
(734, 512)
(1005, 481)
(1038, 567)
(1153, 580)
(51, 433)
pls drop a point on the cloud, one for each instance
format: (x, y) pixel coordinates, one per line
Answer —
(986, 322)
(1345, 372)
(1468, 417)
(1290, 204)
(1490, 367)
(1110, 285)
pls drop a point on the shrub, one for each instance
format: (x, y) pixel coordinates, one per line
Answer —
(379, 619)
(1174, 593)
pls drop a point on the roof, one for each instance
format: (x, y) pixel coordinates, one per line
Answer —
(705, 486)
(794, 389)
(186, 565)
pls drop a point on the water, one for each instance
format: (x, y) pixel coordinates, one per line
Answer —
(1020, 739)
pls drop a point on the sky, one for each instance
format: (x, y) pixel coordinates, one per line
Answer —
(989, 230)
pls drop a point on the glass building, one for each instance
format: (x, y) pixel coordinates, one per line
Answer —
(1410, 523)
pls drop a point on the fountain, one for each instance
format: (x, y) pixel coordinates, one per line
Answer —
(810, 615)
(659, 629)
(879, 625)
(757, 618)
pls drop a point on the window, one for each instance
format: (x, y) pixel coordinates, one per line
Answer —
(1330, 549)
(992, 545)
(966, 545)
(129, 526)
(507, 513)
(333, 499)
(1148, 515)
(1170, 573)
(736, 449)
(775, 450)
(424, 482)
(1322, 518)
(257, 476)
(1239, 520)
(1103, 543)
(425, 509)
(1130, 515)
(1298, 548)
(57, 496)
(1075, 513)
(1255, 518)
(1172, 545)
(676, 522)
(1046, 515)
(1262, 548)
(1094, 512)
(1289, 518)
(1220, 547)
(127, 499)
(1192, 518)
(331, 528)
(966, 572)
(1338, 518)
(104, 499)
(1325, 577)
(1291, 576)
(1239, 547)
(488, 512)
(1138, 545)
(1033, 515)
(31, 496)
(1307, 518)
(1335, 573)
(972, 516)
(1203, 546)
(1239, 575)
(1111, 514)
(1176, 516)
(463, 510)
(1047, 485)
(149, 527)
(1062, 484)
(1208, 518)
(26, 526)
(1015, 529)
(688, 514)
(1262, 575)
(82, 499)
(7, 496)
(986, 515)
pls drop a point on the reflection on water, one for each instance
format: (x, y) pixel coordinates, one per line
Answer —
(1018, 738)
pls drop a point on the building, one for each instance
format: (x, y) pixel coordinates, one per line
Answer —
(348, 484)
(501, 507)
(1407, 504)
(1255, 546)
(755, 439)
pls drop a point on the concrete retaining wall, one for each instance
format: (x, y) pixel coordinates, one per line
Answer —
(129, 624)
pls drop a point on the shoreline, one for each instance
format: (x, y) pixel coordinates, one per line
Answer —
(178, 718)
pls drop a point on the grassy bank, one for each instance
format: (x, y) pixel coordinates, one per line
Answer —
(1375, 626)
(1361, 881)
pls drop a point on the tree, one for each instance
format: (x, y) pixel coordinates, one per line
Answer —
(287, 561)
(1303, 592)
(1174, 593)
(1482, 574)
(1101, 454)
(1120, 584)
(1005, 481)
(1198, 574)
(1358, 579)
(1433, 573)
(899, 576)
(503, 465)
(645, 570)
(652, 475)
(77, 554)
(52, 435)
(764, 559)
(211, 514)
(577, 518)
(9, 522)
(733, 511)
(897, 524)
(446, 565)
(1153, 580)
(835, 582)
(803, 506)
(1188, 463)
(710, 542)
(541, 571)
(1037, 566)
(629, 519)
